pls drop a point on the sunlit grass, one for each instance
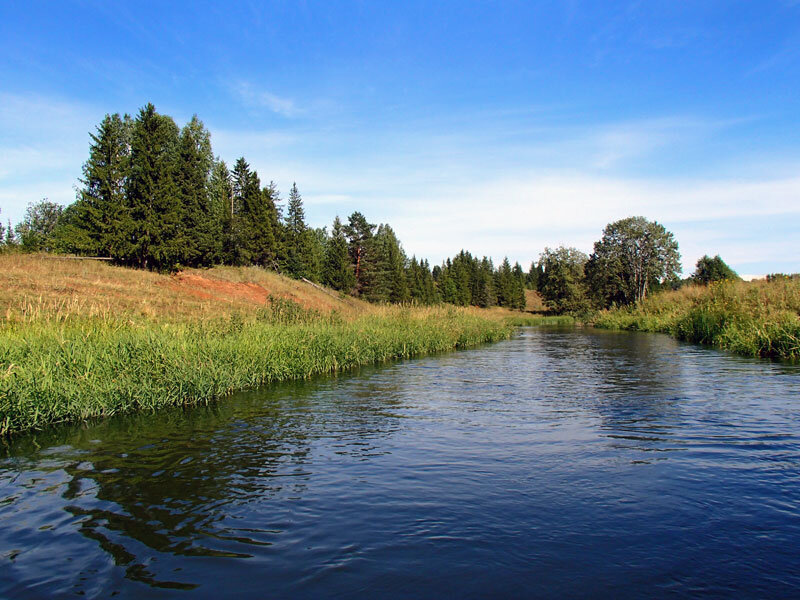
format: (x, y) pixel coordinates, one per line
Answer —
(751, 319)
(80, 340)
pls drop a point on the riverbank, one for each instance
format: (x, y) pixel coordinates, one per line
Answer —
(80, 340)
(758, 319)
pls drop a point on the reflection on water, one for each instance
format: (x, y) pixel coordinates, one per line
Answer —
(563, 462)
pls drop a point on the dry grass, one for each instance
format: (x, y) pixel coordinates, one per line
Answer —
(39, 287)
(757, 318)
(534, 302)
(83, 339)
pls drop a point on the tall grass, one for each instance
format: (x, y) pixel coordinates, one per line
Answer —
(751, 319)
(54, 370)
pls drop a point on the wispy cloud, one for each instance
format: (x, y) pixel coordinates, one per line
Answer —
(42, 155)
(250, 96)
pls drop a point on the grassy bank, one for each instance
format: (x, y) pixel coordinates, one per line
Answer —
(751, 319)
(87, 340)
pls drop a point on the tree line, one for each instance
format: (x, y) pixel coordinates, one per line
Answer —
(154, 196)
(633, 258)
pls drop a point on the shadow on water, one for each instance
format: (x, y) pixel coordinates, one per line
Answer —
(562, 462)
(164, 483)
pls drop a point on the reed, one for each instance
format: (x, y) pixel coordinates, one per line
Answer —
(758, 319)
(57, 370)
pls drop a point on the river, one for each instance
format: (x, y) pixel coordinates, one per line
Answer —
(561, 463)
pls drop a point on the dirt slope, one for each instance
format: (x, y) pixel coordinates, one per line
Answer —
(35, 286)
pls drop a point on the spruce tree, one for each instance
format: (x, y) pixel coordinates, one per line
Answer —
(200, 229)
(518, 287)
(259, 237)
(220, 197)
(298, 251)
(10, 240)
(98, 221)
(337, 270)
(237, 233)
(153, 219)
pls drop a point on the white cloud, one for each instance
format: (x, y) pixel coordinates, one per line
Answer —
(44, 143)
(250, 96)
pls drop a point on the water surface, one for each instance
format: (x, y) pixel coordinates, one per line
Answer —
(561, 463)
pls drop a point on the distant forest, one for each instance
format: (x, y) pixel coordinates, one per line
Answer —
(154, 196)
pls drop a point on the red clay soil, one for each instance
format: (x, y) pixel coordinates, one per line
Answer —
(214, 289)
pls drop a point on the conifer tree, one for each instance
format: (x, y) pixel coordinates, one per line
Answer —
(200, 230)
(359, 233)
(338, 271)
(10, 240)
(298, 250)
(316, 242)
(504, 284)
(485, 296)
(518, 287)
(237, 233)
(257, 221)
(97, 221)
(220, 198)
(152, 221)
(431, 296)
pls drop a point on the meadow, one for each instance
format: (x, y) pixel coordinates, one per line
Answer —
(758, 319)
(81, 339)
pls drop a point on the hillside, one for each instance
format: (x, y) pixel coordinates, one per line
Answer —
(45, 287)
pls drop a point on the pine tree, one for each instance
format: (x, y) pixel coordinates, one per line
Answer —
(359, 233)
(337, 270)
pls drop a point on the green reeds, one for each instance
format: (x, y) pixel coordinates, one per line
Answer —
(79, 368)
(752, 319)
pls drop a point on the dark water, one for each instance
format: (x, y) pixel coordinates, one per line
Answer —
(559, 464)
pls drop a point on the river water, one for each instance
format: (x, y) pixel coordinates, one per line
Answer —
(562, 463)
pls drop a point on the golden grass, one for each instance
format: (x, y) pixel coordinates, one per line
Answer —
(41, 287)
(84, 339)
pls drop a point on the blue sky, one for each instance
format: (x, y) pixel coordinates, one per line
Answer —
(500, 127)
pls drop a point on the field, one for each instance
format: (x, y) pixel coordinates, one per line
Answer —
(749, 318)
(82, 339)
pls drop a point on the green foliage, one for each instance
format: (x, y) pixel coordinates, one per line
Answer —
(152, 220)
(383, 268)
(359, 232)
(65, 371)
(38, 226)
(633, 255)
(752, 319)
(562, 282)
(94, 224)
(201, 230)
(300, 254)
(337, 271)
(713, 269)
